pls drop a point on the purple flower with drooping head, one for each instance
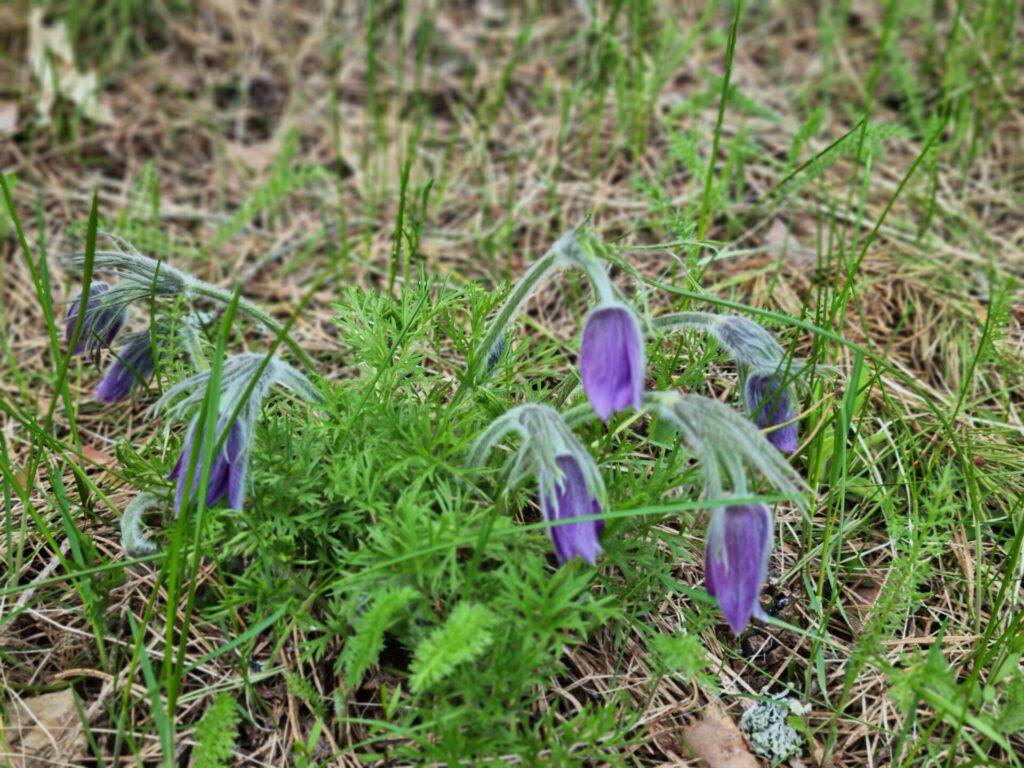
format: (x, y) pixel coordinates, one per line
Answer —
(566, 500)
(736, 561)
(612, 359)
(227, 470)
(244, 382)
(770, 373)
(770, 403)
(134, 363)
(101, 323)
(570, 484)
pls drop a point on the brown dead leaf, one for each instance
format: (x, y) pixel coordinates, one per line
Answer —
(99, 457)
(42, 730)
(718, 742)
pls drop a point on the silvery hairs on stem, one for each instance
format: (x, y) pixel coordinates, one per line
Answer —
(546, 436)
(133, 540)
(141, 277)
(571, 250)
(727, 445)
(767, 372)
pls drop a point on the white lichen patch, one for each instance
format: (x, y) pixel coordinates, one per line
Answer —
(765, 727)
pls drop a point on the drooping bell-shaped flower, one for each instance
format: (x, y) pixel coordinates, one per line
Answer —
(102, 321)
(612, 359)
(570, 484)
(736, 561)
(227, 467)
(565, 500)
(245, 381)
(770, 373)
(133, 364)
(770, 404)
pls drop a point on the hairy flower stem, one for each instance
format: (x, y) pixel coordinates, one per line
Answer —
(596, 273)
(678, 321)
(560, 253)
(256, 313)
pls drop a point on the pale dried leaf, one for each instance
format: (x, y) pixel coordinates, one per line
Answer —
(42, 729)
(52, 61)
(8, 117)
(718, 742)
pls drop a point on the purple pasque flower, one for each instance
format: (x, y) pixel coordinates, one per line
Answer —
(244, 382)
(565, 500)
(570, 481)
(227, 470)
(736, 561)
(612, 359)
(134, 363)
(101, 323)
(770, 404)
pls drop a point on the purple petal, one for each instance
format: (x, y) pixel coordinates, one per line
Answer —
(769, 404)
(736, 561)
(570, 500)
(217, 485)
(176, 469)
(134, 363)
(612, 360)
(236, 455)
(116, 383)
(180, 466)
(227, 470)
(96, 290)
(100, 325)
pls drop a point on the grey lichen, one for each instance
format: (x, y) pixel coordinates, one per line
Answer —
(765, 727)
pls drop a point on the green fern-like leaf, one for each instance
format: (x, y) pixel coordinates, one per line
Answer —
(463, 637)
(363, 649)
(215, 734)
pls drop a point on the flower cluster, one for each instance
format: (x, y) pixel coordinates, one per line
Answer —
(612, 372)
(215, 450)
(221, 407)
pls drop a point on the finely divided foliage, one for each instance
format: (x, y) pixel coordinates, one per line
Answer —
(221, 406)
(570, 488)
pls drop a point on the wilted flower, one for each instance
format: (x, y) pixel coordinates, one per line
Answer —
(134, 363)
(770, 404)
(736, 560)
(103, 319)
(612, 359)
(245, 381)
(570, 485)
